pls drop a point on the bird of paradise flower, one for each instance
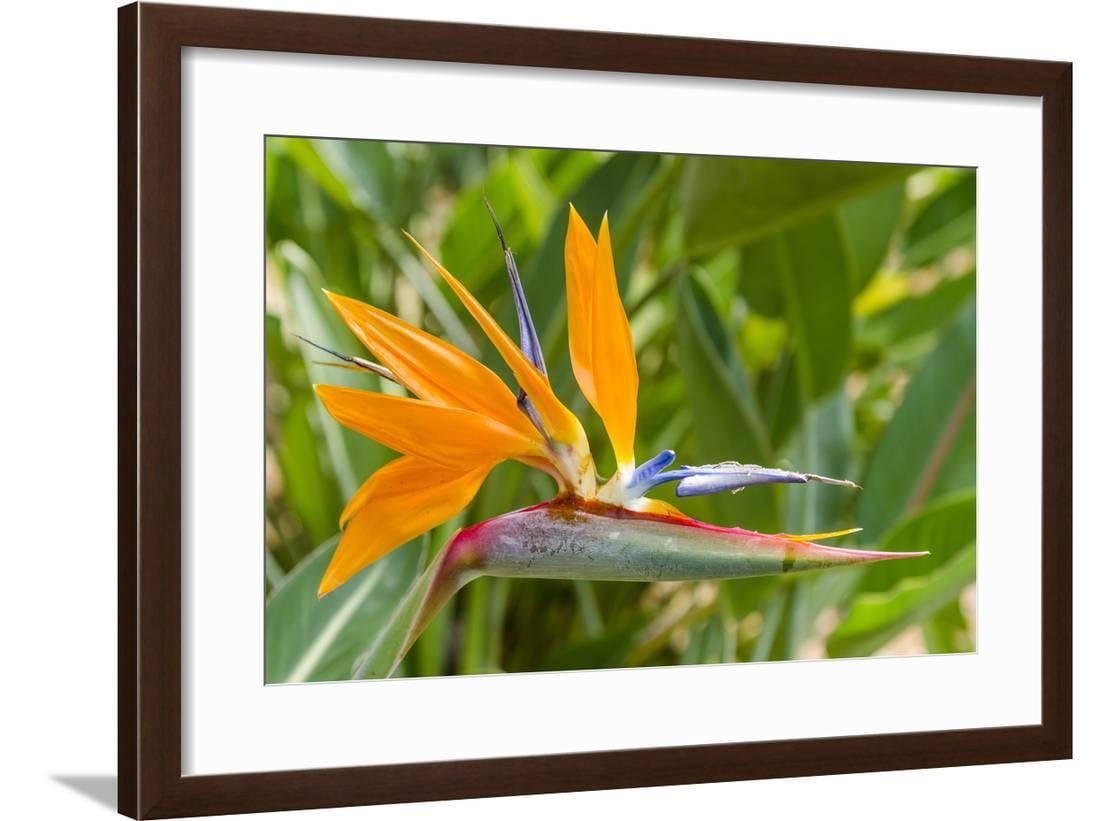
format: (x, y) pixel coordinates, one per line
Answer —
(466, 421)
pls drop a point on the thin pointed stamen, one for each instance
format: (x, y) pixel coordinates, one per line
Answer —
(358, 361)
(529, 411)
(528, 336)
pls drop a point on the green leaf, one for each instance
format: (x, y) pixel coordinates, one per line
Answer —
(365, 170)
(810, 268)
(869, 224)
(483, 621)
(734, 200)
(822, 446)
(383, 650)
(310, 490)
(943, 528)
(947, 221)
(815, 281)
(352, 457)
(876, 618)
(948, 631)
(918, 315)
(311, 639)
(608, 649)
(911, 453)
(728, 424)
(521, 200)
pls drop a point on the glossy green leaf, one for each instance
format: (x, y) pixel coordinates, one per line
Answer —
(309, 487)
(815, 275)
(877, 618)
(823, 445)
(311, 639)
(948, 631)
(728, 423)
(521, 199)
(366, 169)
(811, 268)
(734, 200)
(946, 221)
(943, 528)
(910, 456)
(918, 315)
(869, 224)
(351, 457)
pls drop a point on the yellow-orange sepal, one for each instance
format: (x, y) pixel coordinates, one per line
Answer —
(431, 368)
(399, 502)
(600, 342)
(559, 421)
(450, 437)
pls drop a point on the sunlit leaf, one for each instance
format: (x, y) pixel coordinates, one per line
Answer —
(311, 639)
(351, 457)
(734, 200)
(918, 315)
(943, 528)
(877, 618)
(728, 421)
(911, 454)
(945, 222)
(869, 224)
(521, 200)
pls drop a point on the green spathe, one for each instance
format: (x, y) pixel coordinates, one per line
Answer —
(578, 539)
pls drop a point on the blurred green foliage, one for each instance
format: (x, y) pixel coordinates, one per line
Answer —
(812, 315)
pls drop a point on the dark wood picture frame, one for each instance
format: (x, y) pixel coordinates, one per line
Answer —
(151, 37)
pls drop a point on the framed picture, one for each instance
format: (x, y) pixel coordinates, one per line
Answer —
(507, 410)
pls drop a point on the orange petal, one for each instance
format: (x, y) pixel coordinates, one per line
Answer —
(400, 501)
(431, 368)
(614, 368)
(580, 263)
(451, 437)
(559, 421)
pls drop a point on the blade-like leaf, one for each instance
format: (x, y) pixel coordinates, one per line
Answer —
(946, 221)
(943, 528)
(520, 199)
(811, 267)
(868, 224)
(728, 424)
(311, 639)
(918, 315)
(822, 444)
(911, 454)
(352, 457)
(876, 618)
(734, 200)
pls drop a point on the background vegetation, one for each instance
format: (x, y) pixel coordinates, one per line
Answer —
(800, 314)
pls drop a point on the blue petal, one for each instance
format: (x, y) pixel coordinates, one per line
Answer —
(733, 476)
(704, 482)
(528, 336)
(646, 471)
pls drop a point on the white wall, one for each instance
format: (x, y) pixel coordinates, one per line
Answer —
(57, 322)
